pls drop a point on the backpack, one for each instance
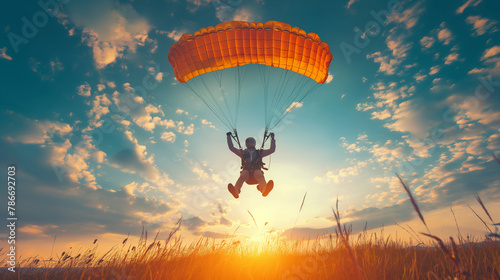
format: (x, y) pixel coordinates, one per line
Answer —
(249, 162)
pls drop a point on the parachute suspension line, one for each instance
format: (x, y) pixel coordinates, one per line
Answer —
(316, 86)
(280, 93)
(216, 103)
(285, 104)
(237, 82)
(205, 101)
(218, 77)
(265, 84)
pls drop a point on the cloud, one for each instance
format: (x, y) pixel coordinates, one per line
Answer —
(207, 123)
(293, 106)
(32, 131)
(136, 160)
(427, 42)
(193, 5)
(46, 71)
(452, 57)
(146, 116)
(99, 156)
(175, 35)
(100, 87)
(3, 53)
(408, 17)
(410, 116)
(168, 136)
(434, 70)
(179, 111)
(339, 175)
(84, 89)
(244, 15)
(387, 65)
(329, 79)
(348, 5)
(482, 25)
(490, 57)
(100, 107)
(444, 34)
(111, 29)
(467, 4)
(397, 46)
(181, 128)
(420, 76)
(381, 115)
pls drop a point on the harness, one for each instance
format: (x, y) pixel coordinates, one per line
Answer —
(252, 160)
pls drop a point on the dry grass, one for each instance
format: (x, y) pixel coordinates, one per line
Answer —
(340, 256)
(369, 257)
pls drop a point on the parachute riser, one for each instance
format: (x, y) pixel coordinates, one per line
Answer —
(236, 138)
(266, 136)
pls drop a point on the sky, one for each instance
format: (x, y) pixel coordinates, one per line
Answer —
(105, 140)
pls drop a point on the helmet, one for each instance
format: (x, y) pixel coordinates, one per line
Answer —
(250, 142)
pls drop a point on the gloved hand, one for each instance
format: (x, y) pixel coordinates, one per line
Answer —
(272, 135)
(229, 134)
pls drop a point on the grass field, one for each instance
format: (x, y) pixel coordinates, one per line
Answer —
(339, 256)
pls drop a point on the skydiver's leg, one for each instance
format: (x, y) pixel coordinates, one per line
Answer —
(259, 176)
(243, 177)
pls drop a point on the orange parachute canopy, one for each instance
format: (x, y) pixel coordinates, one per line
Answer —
(237, 43)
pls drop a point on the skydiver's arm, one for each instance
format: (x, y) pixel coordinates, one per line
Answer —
(231, 146)
(265, 153)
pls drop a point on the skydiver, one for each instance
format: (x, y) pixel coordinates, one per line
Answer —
(251, 165)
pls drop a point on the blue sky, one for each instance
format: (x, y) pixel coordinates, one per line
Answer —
(105, 138)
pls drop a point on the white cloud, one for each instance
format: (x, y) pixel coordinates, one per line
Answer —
(168, 136)
(141, 113)
(408, 17)
(397, 46)
(420, 76)
(207, 123)
(329, 78)
(159, 77)
(427, 41)
(3, 53)
(46, 71)
(444, 35)
(482, 25)
(180, 111)
(339, 175)
(189, 130)
(348, 6)
(490, 57)
(434, 70)
(244, 15)
(175, 35)
(467, 4)
(112, 30)
(452, 57)
(381, 115)
(31, 131)
(99, 156)
(387, 65)
(293, 106)
(100, 107)
(491, 52)
(101, 87)
(84, 89)
(409, 117)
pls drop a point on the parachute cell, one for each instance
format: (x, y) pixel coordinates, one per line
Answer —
(238, 43)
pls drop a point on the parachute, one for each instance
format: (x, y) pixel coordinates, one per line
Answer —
(291, 64)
